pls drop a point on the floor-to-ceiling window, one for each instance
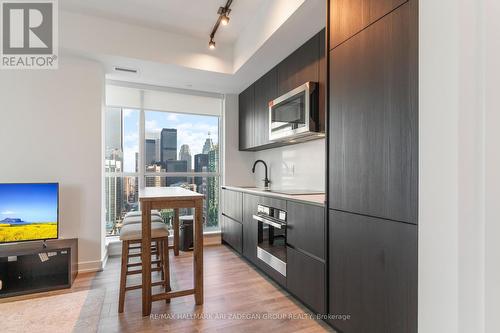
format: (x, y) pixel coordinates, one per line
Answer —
(158, 138)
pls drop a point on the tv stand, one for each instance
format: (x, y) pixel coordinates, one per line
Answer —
(37, 266)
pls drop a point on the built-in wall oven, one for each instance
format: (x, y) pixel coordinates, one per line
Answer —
(294, 116)
(271, 239)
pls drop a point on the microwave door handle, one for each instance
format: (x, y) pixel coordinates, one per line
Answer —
(266, 221)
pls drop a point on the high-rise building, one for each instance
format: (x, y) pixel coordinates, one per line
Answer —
(185, 155)
(151, 152)
(208, 146)
(176, 166)
(200, 165)
(212, 201)
(168, 142)
(154, 181)
(113, 192)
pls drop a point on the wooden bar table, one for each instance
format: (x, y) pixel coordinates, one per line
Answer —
(170, 198)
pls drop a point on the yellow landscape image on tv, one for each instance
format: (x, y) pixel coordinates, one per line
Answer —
(28, 212)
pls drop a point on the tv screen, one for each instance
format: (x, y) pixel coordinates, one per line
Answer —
(28, 212)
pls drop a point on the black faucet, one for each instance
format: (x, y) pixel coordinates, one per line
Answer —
(266, 180)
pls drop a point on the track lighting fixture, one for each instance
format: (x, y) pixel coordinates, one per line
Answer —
(222, 19)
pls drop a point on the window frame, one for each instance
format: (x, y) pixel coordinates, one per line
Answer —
(141, 174)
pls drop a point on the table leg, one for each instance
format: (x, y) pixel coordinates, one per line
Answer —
(146, 258)
(198, 252)
(176, 231)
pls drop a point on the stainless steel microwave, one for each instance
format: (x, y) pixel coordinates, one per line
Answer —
(294, 116)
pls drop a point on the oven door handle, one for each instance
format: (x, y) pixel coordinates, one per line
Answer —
(266, 221)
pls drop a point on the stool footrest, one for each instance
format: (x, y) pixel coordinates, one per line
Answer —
(136, 264)
(139, 286)
(139, 271)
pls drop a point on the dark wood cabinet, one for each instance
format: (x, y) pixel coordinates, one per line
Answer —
(249, 227)
(246, 103)
(306, 228)
(232, 204)
(373, 118)
(232, 233)
(306, 279)
(299, 67)
(307, 63)
(265, 91)
(373, 273)
(348, 17)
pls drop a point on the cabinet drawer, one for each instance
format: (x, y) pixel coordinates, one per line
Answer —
(232, 204)
(306, 228)
(306, 279)
(232, 232)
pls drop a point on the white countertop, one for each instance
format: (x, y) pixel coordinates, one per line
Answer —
(315, 199)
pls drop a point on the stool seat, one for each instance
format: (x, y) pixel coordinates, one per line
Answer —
(138, 219)
(139, 213)
(131, 232)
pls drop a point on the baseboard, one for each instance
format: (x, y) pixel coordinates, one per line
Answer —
(90, 266)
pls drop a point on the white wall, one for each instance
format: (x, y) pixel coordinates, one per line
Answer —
(459, 252)
(491, 100)
(299, 166)
(51, 132)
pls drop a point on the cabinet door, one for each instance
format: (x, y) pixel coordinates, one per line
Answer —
(373, 273)
(246, 118)
(373, 120)
(232, 233)
(305, 278)
(232, 204)
(265, 91)
(249, 227)
(299, 67)
(348, 17)
(306, 228)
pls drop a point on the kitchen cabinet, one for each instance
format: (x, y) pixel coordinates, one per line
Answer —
(306, 228)
(306, 279)
(307, 63)
(348, 17)
(265, 91)
(250, 203)
(373, 273)
(232, 204)
(299, 67)
(373, 118)
(246, 102)
(232, 233)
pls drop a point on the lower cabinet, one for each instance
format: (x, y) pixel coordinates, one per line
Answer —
(306, 279)
(373, 274)
(249, 227)
(232, 233)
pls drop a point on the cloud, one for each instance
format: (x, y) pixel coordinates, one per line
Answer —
(7, 212)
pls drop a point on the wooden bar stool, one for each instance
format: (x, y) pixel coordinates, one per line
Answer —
(132, 234)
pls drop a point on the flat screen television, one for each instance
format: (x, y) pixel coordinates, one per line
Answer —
(29, 212)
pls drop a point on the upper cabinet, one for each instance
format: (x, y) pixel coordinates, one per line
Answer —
(246, 118)
(299, 67)
(348, 17)
(305, 64)
(373, 133)
(265, 91)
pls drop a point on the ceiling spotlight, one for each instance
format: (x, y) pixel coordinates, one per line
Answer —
(223, 18)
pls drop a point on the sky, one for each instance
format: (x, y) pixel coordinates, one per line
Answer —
(191, 129)
(29, 202)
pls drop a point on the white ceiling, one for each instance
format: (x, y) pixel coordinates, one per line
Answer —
(188, 17)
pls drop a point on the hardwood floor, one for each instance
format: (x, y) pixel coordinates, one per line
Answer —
(236, 296)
